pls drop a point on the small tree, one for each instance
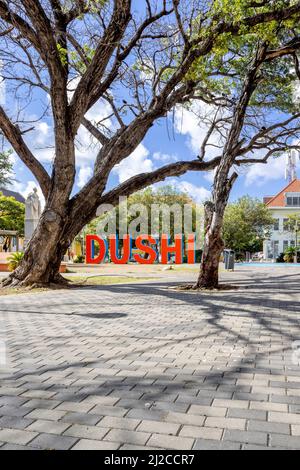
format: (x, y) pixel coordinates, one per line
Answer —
(246, 223)
(12, 214)
(6, 168)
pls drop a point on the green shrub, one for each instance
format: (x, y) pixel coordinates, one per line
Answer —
(14, 260)
(79, 259)
(280, 258)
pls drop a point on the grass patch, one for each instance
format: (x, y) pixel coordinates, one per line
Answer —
(105, 280)
(21, 290)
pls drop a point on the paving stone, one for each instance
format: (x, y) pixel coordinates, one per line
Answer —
(226, 423)
(81, 418)
(86, 432)
(53, 442)
(208, 411)
(205, 444)
(12, 422)
(17, 412)
(287, 442)
(202, 433)
(231, 404)
(269, 427)
(83, 407)
(184, 418)
(158, 427)
(246, 437)
(15, 447)
(296, 430)
(109, 410)
(48, 427)
(119, 423)
(14, 436)
(288, 418)
(50, 415)
(130, 437)
(41, 403)
(247, 414)
(87, 444)
(170, 442)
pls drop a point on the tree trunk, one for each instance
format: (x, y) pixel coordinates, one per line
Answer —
(213, 248)
(44, 253)
(213, 242)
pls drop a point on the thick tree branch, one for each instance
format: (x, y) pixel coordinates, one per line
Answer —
(14, 137)
(87, 90)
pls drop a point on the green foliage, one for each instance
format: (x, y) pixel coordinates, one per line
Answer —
(79, 259)
(224, 68)
(63, 54)
(15, 260)
(292, 223)
(289, 254)
(6, 168)
(280, 258)
(247, 223)
(12, 214)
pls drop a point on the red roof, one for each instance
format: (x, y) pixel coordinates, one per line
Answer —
(279, 199)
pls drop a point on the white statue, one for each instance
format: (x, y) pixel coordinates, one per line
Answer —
(32, 214)
(33, 206)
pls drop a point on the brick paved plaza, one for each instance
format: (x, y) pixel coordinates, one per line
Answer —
(145, 366)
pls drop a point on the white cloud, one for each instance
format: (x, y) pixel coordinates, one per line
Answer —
(84, 175)
(137, 162)
(198, 193)
(188, 123)
(164, 158)
(259, 174)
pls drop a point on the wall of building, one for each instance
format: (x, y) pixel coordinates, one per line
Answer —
(280, 239)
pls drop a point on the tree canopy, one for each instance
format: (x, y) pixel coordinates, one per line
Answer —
(247, 223)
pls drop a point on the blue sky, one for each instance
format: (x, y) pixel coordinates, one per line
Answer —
(163, 144)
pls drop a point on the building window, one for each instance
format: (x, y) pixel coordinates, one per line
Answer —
(292, 243)
(285, 245)
(276, 225)
(293, 201)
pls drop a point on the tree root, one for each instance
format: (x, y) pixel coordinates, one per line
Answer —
(196, 288)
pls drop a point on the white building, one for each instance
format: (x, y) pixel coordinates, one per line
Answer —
(282, 205)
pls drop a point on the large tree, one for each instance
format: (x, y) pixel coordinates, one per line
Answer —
(137, 61)
(259, 77)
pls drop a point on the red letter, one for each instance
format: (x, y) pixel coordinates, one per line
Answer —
(166, 249)
(90, 240)
(114, 248)
(191, 255)
(147, 249)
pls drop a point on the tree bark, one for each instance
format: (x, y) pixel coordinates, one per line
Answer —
(213, 241)
(213, 247)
